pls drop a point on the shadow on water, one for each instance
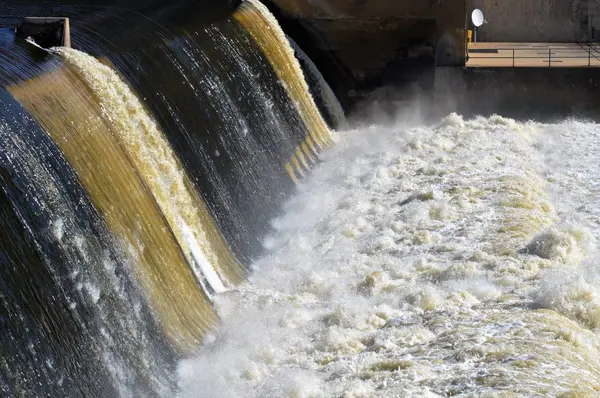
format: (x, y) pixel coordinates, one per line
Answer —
(33, 310)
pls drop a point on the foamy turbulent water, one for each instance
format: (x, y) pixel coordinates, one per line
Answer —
(455, 259)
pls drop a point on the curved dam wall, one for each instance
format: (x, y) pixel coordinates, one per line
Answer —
(139, 172)
(141, 168)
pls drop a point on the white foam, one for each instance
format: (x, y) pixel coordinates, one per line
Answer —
(568, 245)
(93, 291)
(58, 229)
(400, 269)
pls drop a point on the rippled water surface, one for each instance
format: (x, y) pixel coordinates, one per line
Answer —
(457, 259)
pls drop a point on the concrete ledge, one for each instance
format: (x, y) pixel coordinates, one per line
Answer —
(46, 32)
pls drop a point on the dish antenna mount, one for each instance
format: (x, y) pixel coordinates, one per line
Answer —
(478, 20)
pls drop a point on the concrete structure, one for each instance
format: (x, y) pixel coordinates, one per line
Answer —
(358, 45)
(538, 20)
(46, 32)
(542, 94)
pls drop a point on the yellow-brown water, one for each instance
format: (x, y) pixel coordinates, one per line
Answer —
(156, 149)
(158, 166)
(67, 109)
(265, 30)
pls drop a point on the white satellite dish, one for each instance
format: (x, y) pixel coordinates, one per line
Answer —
(477, 17)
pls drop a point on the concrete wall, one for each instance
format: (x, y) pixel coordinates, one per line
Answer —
(335, 9)
(362, 44)
(368, 46)
(594, 20)
(537, 20)
(543, 94)
(451, 35)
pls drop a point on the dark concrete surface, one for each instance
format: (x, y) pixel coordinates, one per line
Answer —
(542, 94)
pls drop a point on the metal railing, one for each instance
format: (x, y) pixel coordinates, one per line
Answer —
(553, 56)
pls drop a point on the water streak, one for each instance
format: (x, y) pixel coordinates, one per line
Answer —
(65, 108)
(161, 171)
(266, 31)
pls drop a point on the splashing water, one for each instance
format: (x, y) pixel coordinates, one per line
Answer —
(424, 261)
(160, 169)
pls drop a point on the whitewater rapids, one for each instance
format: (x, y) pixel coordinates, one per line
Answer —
(457, 259)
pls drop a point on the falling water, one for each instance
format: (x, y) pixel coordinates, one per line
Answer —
(156, 205)
(266, 31)
(161, 171)
(141, 180)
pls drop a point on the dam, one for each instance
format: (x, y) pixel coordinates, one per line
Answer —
(299, 198)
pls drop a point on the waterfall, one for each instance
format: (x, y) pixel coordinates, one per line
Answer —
(143, 174)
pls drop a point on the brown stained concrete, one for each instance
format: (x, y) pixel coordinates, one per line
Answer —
(533, 55)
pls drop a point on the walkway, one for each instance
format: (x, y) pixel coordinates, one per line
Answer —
(559, 55)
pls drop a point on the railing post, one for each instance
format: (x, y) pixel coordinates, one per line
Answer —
(549, 57)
